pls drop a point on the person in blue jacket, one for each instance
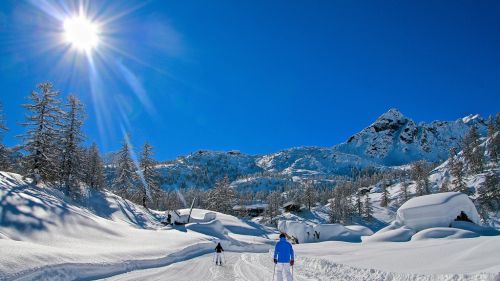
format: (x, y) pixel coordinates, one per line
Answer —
(283, 258)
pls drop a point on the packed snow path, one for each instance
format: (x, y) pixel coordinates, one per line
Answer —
(259, 267)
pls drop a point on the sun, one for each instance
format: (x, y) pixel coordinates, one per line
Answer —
(81, 33)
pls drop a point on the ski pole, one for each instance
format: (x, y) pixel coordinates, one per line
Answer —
(274, 271)
(292, 272)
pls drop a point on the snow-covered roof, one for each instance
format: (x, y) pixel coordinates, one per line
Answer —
(436, 210)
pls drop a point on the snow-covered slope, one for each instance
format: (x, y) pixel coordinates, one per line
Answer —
(46, 236)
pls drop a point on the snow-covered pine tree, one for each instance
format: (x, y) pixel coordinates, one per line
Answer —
(150, 186)
(274, 204)
(126, 177)
(94, 169)
(359, 203)
(493, 144)
(497, 122)
(41, 139)
(489, 195)
(221, 198)
(341, 205)
(458, 181)
(310, 194)
(472, 151)
(72, 157)
(385, 197)
(367, 208)
(405, 195)
(419, 171)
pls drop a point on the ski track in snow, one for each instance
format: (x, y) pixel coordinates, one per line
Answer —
(259, 267)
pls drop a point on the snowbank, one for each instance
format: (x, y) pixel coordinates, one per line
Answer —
(433, 259)
(443, 232)
(436, 210)
(391, 233)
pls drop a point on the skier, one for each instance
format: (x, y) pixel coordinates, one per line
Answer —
(218, 254)
(283, 258)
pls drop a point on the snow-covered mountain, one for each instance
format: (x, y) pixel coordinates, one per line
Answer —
(391, 140)
(394, 139)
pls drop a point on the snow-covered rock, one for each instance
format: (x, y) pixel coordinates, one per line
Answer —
(436, 210)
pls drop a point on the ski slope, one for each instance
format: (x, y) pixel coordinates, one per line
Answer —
(433, 260)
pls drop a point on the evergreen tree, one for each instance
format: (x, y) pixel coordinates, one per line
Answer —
(359, 204)
(404, 191)
(420, 170)
(489, 195)
(493, 142)
(472, 152)
(126, 176)
(94, 169)
(40, 141)
(341, 205)
(367, 208)
(385, 197)
(458, 181)
(274, 204)
(497, 122)
(309, 194)
(71, 152)
(150, 186)
(221, 197)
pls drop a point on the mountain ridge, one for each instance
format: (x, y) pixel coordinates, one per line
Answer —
(392, 140)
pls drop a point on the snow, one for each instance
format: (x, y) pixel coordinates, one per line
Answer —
(391, 234)
(308, 233)
(443, 232)
(416, 260)
(481, 230)
(45, 235)
(436, 210)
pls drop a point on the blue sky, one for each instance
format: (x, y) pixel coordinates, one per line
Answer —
(257, 76)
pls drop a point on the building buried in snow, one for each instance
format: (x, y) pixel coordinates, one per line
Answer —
(253, 210)
(436, 210)
(291, 206)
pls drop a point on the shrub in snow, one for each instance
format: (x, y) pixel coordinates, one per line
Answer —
(436, 210)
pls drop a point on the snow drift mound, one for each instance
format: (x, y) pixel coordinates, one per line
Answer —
(391, 233)
(443, 232)
(436, 210)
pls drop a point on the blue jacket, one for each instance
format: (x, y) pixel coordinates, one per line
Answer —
(283, 251)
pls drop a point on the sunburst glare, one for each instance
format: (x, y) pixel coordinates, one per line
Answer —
(81, 33)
